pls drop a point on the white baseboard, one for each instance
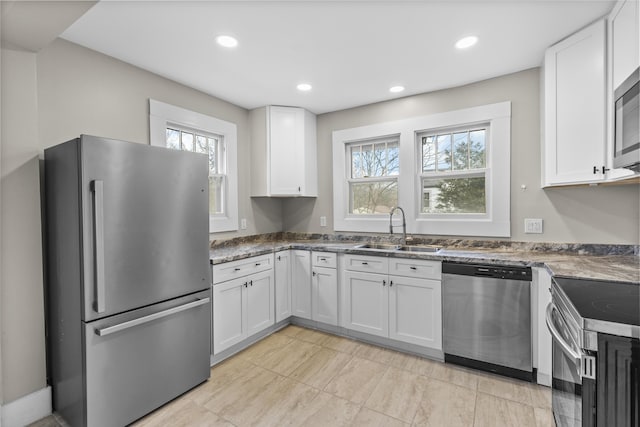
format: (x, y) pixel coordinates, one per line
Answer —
(27, 409)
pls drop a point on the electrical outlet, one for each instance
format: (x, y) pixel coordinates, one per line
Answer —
(323, 221)
(243, 224)
(533, 225)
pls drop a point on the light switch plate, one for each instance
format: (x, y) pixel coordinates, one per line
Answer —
(533, 225)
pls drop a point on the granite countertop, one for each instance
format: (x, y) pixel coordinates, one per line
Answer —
(613, 267)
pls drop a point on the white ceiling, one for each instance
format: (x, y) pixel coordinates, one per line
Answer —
(350, 51)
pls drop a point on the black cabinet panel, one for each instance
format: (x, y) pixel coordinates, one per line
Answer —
(618, 379)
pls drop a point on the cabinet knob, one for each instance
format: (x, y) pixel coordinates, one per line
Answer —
(278, 257)
(299, 188)
(251, 282)
(313, 273)
(245, 284)
(390, 283)
(384, 282)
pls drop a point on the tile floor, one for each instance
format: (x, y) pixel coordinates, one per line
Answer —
(302, 377)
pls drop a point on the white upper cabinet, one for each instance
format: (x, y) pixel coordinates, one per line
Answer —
(625, 39)
(574, 146)
(283, 152)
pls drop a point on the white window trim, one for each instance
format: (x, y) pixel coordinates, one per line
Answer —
(497, 221)
(162, 115)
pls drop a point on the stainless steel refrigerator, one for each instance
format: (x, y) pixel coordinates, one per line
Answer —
(128, 285)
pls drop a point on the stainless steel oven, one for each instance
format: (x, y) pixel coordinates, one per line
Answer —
(574, 372)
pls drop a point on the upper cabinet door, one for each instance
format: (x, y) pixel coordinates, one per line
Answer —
(575, 108)
(286, 134)
(625, 38)
(283, 152)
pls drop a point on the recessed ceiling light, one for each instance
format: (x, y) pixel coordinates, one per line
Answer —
(396, 89)
(304, 87)
(466, 42)
(227, 41)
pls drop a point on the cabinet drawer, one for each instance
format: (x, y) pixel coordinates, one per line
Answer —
(323, 259)
(241, 268)
(368, 264)
(415, 268)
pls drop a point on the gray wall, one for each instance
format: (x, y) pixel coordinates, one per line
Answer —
(581, 215)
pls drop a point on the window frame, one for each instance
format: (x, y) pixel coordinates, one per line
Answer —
(496, 222)
(163, 116)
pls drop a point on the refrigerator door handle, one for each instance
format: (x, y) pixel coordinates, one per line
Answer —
(98, 244)
(151, 317)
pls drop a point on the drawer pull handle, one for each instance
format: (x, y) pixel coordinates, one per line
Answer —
(413, 268)
(257, 264)
(390, 283)
(251, 283)
(323, 259)
(146, 319)
(365, 263)
(237, 269)
(245, 284)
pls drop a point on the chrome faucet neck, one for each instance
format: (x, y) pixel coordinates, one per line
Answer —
(404, 223)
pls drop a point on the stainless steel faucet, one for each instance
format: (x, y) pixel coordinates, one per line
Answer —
(404, 223)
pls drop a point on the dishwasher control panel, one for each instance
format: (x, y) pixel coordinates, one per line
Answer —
(483, 270)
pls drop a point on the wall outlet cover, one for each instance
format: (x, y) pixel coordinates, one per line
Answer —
(243, 224)
(323, 221)
(533, 225)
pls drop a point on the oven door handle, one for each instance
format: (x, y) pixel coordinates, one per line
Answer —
(566, 348)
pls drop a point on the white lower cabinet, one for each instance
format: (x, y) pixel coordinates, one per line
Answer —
(366, 303)
(415, 311)
(301, 283)
(403, 308)
(324, 298)
(242, 307)
(283, 284)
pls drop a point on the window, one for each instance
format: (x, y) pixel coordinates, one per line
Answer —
(181, 129)
(450, 172)
(453, 171)
(212, 146)
(373, 182)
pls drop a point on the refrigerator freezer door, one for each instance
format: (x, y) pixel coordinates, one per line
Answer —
(145, 225)
(140, 360)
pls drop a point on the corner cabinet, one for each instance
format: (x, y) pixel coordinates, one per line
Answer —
(283, 152)
(243, 300)
(575, 113)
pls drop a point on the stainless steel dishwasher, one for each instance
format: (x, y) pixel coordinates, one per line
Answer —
(486, 323)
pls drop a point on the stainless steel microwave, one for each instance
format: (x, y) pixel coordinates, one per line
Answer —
(627, 124)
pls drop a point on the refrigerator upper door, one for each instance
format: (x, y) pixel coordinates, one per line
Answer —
(145, 225)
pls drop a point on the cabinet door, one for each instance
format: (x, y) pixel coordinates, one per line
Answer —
(283, 285)
(260, 301)
(229, 314)
(575, 106)
(301, 283)
(625, 36)
(415, 311)
(286, 136)
(366, 303)
(325, 295)
(618, 381)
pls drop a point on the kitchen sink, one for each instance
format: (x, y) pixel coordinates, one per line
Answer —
(403, 248)
(379, 246)
(425, 248)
